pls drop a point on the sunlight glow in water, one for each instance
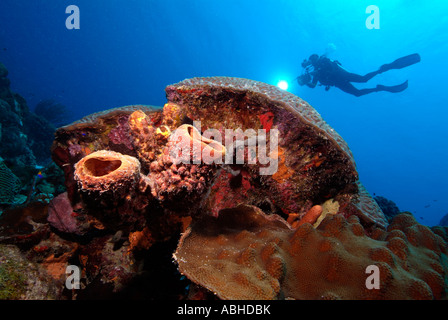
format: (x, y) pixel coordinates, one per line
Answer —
(282, 85)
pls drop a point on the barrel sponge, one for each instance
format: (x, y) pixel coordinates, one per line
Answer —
(185, 170)
(107, 172)
(246, 254)
(9, 184)
(186, 145)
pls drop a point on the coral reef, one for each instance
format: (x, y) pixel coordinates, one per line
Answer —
(138, 178)
(25, 142)
(25, 137)
(314, 162)
(246, 254)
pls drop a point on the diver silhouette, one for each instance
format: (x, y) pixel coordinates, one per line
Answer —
(330, 73)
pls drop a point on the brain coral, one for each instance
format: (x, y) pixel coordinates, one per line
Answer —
(246, 254)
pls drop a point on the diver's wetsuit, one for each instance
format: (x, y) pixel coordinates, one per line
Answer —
(330, 73)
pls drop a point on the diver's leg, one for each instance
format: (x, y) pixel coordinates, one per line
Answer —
(349, 88)
(369, 76)
(353, 77)
(397, 64)
(394, 89)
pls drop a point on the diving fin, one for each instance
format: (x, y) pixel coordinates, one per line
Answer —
(401, 62)
(394, 89)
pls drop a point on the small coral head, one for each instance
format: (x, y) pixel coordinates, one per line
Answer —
(138, 118)
(140, 125)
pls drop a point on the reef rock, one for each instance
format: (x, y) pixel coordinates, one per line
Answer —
(62, 216)
(21, 279)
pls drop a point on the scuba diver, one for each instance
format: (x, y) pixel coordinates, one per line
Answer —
(330, 73)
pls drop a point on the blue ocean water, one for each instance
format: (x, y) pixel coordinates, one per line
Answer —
(127, 51)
